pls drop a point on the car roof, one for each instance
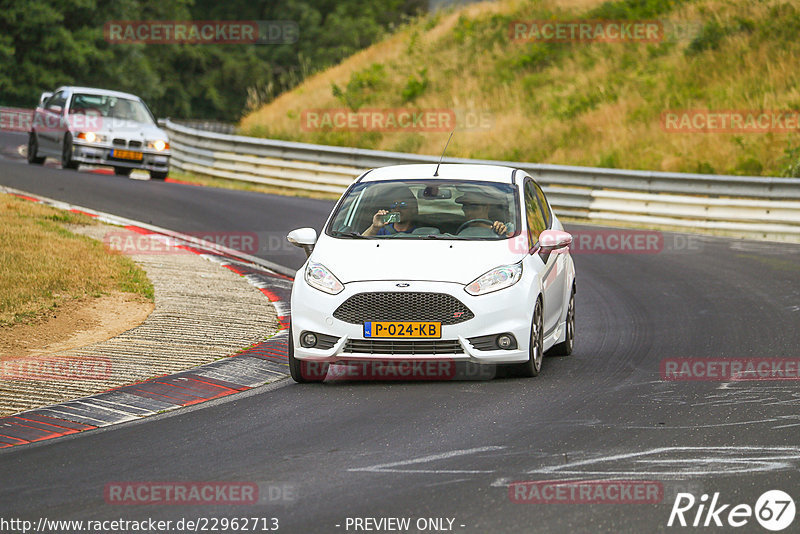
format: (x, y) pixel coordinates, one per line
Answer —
(96, 91)
(447, 171)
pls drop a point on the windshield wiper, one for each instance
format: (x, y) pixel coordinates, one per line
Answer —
(444, 236)
(354, 235)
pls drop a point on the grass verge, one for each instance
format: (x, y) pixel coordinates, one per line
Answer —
(42, 264)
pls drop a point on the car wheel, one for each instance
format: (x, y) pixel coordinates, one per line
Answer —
(122, 171)
(158, 175)
(535, 350)
(33, 148)
(66, 154)
(565, 347)
(300, 370)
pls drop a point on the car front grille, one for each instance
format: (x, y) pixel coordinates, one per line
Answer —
(403, 306)
(404, 348)
(135, 144)
(119, 142)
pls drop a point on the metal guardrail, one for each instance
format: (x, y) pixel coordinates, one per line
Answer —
(747, 206)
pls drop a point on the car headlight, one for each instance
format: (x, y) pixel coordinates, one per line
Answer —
(319, 277)
(91, 137)
(158, 144)
(495, 280)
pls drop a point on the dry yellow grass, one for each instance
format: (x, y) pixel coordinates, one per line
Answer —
(588, 104)
(42, 264)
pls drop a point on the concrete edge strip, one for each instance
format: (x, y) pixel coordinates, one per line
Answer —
(259, 364)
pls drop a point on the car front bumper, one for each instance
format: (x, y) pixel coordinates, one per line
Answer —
(504, 311)
(91, 154)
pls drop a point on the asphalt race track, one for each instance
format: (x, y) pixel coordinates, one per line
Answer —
(321, 454)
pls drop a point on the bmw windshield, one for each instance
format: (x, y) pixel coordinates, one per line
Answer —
(427, 209)
(111, 108)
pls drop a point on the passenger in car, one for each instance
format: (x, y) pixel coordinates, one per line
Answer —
(406, 206)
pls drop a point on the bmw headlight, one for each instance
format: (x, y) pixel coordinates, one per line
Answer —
(319, 277)
(158, 144)
(495, 280)
(91, 137)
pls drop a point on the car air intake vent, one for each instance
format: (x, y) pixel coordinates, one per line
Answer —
(135, 144)
(403, 306)
(119, 142)
(484, 342)
(402, 348)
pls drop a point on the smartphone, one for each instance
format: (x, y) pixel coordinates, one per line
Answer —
(391, 217)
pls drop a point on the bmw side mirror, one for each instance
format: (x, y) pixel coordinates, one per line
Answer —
(44, 97)
(305, 238)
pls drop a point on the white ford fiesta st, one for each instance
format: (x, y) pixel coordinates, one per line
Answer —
(427, 263)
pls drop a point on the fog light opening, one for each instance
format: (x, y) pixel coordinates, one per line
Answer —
(308, 339)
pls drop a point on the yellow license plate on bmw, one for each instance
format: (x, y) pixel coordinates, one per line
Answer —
(403, 329)
(126, 154)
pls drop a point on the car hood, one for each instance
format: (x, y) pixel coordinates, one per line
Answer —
(353, 260)
(127, 130)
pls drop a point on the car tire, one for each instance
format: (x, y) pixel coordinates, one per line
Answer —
(535, 349)
(296, 367)
(159, 175)
(66, 154)
(33, 149)
(123, 171)
(565, 347)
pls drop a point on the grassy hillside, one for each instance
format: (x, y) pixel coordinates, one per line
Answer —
(596, 104)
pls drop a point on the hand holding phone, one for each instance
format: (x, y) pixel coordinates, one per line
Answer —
(391, 217)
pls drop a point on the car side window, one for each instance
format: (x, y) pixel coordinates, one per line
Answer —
(534, 214)
(58, 99)
(548, 217)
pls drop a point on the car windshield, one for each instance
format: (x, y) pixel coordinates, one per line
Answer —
(111, 107)
(427, 209)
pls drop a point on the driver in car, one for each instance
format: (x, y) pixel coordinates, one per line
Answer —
(476, 211)
(406, 206)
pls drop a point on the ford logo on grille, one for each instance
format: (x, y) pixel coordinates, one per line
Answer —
(402, 285)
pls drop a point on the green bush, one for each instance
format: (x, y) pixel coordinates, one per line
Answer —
(709, 38)
(361, 87)
(415, 86)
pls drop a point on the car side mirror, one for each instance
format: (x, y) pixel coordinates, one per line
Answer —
(44, 97)
(305, 238)
(554, 239)
(55, 109)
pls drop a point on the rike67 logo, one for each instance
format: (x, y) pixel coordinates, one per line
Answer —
(774, 510)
